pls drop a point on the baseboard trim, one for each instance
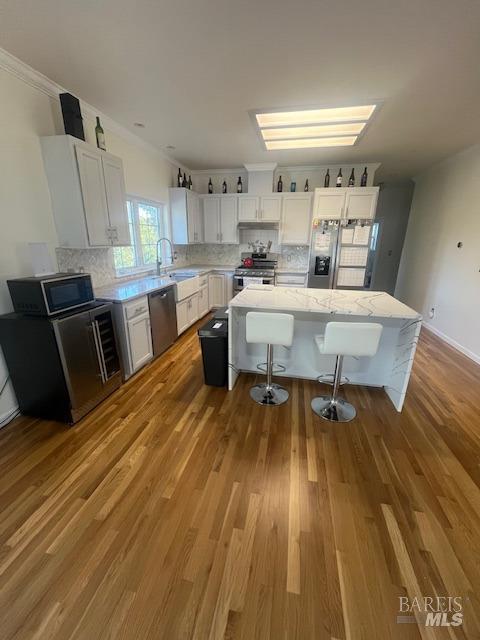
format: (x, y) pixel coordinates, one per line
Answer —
(453, 343)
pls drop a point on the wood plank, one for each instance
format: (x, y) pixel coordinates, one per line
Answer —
(177, 510)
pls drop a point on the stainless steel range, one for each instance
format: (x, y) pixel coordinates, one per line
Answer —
(256, 268)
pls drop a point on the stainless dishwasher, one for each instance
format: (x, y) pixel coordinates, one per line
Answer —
(163, 319)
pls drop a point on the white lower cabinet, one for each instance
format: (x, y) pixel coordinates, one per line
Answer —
(203, 304)
(216, 290)
(135, 334)
(140, 339)
(291, 280)
(228, 287)
(187, 312)
(182, 316)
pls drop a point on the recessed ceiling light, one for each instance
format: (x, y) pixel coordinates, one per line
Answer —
(310, 128)
(315, 131)
(306, 143)
(315, 116)
(140, 125)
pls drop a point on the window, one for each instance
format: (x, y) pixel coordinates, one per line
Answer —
(147, 223)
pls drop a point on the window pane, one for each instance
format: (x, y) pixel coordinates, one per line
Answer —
(149, 253)
(148, 234)
(147, 214)
(146, 226)
(124, 257)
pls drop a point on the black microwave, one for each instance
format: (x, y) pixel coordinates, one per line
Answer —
(48, 295)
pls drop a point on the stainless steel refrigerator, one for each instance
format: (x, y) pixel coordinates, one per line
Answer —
(342, 254)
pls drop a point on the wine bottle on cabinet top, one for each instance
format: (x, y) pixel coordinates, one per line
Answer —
(190, 183)
(305, 188)
(224, 187)
(184, 181)
(210, 186)
(351, 180)
(280, 185)
(364, 178)
(239, 185)
(339, 179)
(99, 134)
(179, 178)
(326, 182)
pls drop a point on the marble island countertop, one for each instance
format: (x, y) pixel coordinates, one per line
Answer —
(376, 304)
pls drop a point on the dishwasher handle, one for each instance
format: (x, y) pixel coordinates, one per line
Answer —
(159, 294)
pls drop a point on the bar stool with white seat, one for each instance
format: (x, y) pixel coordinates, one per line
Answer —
(270, 329)
(344, 339)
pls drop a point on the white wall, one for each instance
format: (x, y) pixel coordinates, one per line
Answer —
(434, 273)
(26, 113)
(393, 209)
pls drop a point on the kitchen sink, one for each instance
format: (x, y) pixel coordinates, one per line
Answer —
(180, 277)
(187, 285)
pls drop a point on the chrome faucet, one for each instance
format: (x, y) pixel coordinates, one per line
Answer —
(173, 255)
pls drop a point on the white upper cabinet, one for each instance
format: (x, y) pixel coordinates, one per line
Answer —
(220, 219)
(211, 219)
(187, 223)
(361, 203)
(94, 196)
(88, 193)
(248, 207)
(296, 218)
(266, 208)
(228, 220)
(329, 203)
(116, 201)
(270, 208)
(345, 203)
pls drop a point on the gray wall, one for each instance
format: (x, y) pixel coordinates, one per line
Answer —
(393, 209)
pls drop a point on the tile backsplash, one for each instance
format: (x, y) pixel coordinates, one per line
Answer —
(99, 262)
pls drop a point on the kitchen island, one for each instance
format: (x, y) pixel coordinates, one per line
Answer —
(313, 308)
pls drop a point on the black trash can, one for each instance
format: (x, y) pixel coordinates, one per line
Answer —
(214, 343)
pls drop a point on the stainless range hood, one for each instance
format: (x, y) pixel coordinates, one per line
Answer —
(257, 224)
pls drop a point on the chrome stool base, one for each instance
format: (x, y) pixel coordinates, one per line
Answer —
(333, 409)
(269, 395)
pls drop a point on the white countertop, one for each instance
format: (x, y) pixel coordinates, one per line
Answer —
(376, 304)
(131, 289)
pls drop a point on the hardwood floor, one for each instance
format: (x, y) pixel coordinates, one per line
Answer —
(177, 510)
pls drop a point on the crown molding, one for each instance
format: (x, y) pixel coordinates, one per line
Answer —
(27, 74)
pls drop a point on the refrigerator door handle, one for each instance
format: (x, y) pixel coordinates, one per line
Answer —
(99, 351)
